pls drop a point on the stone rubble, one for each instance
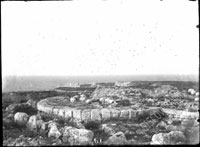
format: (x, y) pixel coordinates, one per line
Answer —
(125, 116)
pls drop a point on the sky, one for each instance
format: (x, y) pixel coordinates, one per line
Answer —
(101, 37)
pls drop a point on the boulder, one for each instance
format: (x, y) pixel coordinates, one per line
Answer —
(191, 91)
(76, 136)
(33, 123)
(21, 118)
(53, 131)
(118, 138)
(173, 137)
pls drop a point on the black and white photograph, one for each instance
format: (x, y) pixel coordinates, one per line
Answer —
(100, 72)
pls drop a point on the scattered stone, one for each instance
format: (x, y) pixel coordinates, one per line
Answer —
(88, 101)
(97, 105)
(11, 107)
(32, 103)
(191, 91)
(76, 136)
(187, 122)
(33, 123)
(193, 135)
(109, 101)
(175, 128)
(140, 131)
(57, 142)
(77, 123)
(107, 129)
(82, 97)
(72, 100)
(116, 139)
(172, 137)
(114, 104)
(21, 118)
(53, 131)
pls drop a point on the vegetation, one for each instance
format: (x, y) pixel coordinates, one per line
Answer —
(25, 108)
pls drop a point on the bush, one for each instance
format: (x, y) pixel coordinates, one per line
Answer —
(92, 125)
(25, 108)
(124, 103)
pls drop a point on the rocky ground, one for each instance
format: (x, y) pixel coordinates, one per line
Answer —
(24, 125)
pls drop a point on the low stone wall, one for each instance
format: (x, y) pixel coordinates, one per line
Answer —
(121, 113)
(96, 114)
(178, 114)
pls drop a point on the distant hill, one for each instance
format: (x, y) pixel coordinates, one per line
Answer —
(38, 83)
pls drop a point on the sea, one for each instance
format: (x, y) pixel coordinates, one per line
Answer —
(40, 83)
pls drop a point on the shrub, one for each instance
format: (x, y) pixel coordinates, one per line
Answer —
(124, 103)
(92, 125)
(25, 108)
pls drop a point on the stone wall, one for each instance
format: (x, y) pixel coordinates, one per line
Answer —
(97, 114)
(178, 114)
(121, 113)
